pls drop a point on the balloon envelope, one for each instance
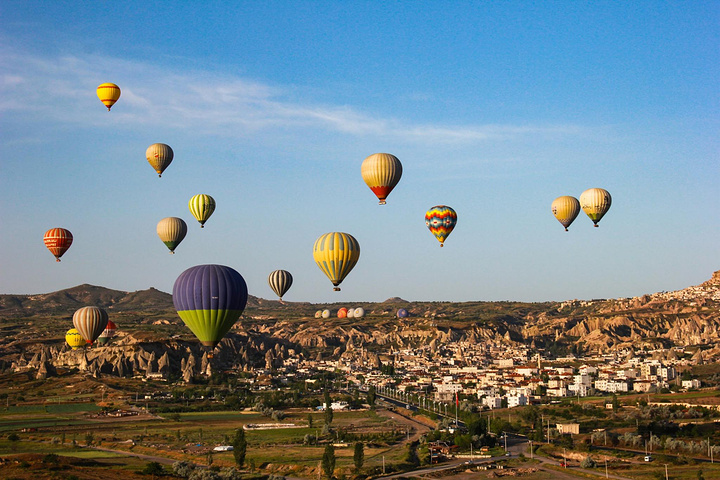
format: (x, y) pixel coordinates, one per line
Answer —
(381, 172)
(210, 299)
(326, 313)
(595, 202)
(318, 314)
(202, 206)
(108, 333)
(159, 155)
(565, 209)
(280, 281)
(90, 322)
(171, 231)
(58, 240)
(108, 93)
(402, 313)
(336, 254)
(74, 339)
(441, 220)
(342, 313)
(359, 312)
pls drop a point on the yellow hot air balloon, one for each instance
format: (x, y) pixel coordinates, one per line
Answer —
(159, 156)
(336, 253)
(381, 172)
(202, 206)
(108, 93)
(595, 202)
(565, 209)
(74, 339)
(171, 231)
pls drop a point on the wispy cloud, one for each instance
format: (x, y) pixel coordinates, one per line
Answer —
(62, 88)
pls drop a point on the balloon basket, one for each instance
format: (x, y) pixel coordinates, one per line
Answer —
(336, 289)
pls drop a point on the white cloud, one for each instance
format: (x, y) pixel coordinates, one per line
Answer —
(62, 89)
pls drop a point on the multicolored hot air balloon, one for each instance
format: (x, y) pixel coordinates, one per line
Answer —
(342, 312)
(402, 313)
(336, 253)
(210, 299)
(318, 314)
(441, 220)
(159, 156)
(108, 93)
(280, 281)
(202, 206)
(58, 240)
(107, 334)
(90, 322)
(595, 202)
(565, 209)
(381, 172)
(171, 231)
(74, 339)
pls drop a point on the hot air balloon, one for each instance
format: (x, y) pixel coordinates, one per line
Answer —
(565, 209)
(171, 231)
(342, 312)
(351, 313)
(159, 156)
(336, 253)
(381, 172)
(441, 220)
(318, 314)
(359, 312)
(90, 322)
(326, 313)
(402, 313)
(58, 240)
(210, 299)
(107, 334)
(595, 202)
(74, 339)
(202, 206)
(280, 281)
(108, 93)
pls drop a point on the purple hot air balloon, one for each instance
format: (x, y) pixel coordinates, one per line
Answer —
(210, 299)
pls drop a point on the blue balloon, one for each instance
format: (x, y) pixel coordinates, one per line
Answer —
(210, 299)
(402, 313)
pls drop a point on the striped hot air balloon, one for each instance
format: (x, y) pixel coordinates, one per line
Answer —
(280, 281)
(595, 202)
(565, 209)
(58, 240)
(202, 206)
(90, 322)
(107, 334)
(441, 220)
(171, 231)
(381, 172)
(336, 254)
(210, 299)
(342, 312)
(159, 156)
(108, 93)
(74, 339)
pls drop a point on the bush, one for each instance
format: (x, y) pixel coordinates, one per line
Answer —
(153, 468)
(587, 463)
(183, 469)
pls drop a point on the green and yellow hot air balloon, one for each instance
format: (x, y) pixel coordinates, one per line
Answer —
(336, 253)
(202, 206)
(74, 339)
(595, 202)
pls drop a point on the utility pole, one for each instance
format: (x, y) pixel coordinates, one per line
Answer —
(606, 472)
(666, 472)
(531, 450)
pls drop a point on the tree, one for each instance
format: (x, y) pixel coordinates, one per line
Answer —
(14, 438)
(359, 456)
(411, 456)
(239, 447)
(328, 415)
(310, 420)
(371, 395)
(328, 460)
(153, 468)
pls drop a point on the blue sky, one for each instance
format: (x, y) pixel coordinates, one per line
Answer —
(494, 108)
